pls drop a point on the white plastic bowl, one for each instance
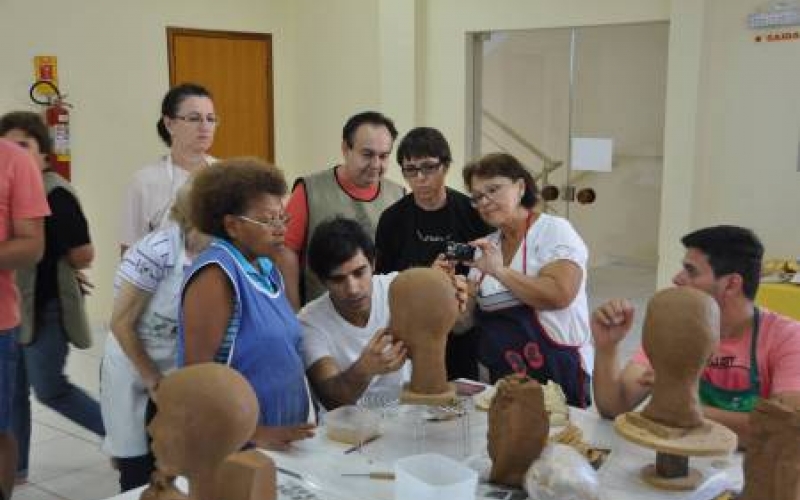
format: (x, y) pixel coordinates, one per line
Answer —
(433, 477)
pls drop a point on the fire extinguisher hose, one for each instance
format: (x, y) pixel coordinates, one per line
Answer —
(44, 83)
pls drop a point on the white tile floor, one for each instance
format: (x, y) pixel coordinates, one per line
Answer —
(66, 461)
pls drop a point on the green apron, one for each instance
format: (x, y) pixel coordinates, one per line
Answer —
(736, 400)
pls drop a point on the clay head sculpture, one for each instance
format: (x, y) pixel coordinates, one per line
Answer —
(205, 413)
(772, 461)
(424, 309)
(681, 331)
(518, 428)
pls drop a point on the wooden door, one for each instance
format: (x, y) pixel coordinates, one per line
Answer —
(237, 69)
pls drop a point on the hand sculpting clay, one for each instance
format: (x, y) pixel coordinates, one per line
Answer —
(424, 309)
(681, 330)
(205, 413)
(772, 461)
(518, 428)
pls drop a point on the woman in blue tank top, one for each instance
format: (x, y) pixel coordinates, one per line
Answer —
(234, 308)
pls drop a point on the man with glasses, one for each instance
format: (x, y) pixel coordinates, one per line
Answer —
(23, 206)
(355, 189)
(416, 229)
(759, 351)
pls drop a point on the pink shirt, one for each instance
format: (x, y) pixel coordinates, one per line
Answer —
(777, 354)
(22, 196)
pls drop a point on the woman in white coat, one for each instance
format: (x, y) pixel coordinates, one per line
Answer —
(187, 125)
(142, 347)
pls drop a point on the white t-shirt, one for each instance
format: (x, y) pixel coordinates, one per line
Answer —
(155, 264)
(327, 333)
(150, 197)
(550, 238)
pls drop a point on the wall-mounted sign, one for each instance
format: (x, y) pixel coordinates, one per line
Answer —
(45, 68)
(782, 36)
(775, 14)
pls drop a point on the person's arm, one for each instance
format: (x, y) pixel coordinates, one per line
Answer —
(616, 390)
(129, 305)
(81, 257)
(207, 310)
(288, 264)
(554, 287)
(289, 259)
(25, 247)
(336, 387)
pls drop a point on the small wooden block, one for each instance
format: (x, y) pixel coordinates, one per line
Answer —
(414, 398)
(684, 483)
(247, 475)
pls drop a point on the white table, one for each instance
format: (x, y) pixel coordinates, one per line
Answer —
(321, 462)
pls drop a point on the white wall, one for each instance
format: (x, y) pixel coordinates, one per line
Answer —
(749, 130)
(112, 60)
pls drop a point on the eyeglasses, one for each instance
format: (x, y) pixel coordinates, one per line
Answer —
(275, 222)
(426, 169)
(489, 193)
(197, 119)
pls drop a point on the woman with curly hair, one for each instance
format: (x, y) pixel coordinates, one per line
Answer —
(234, 308)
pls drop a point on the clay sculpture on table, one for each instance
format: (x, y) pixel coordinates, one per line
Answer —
(681, 331)
(518, 428)
(424, 309)
(772, 461)
(205, 414)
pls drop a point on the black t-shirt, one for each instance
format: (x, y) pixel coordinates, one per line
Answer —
(66, 228)
(409, 236)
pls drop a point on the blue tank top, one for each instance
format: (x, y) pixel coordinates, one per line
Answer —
(262, 341)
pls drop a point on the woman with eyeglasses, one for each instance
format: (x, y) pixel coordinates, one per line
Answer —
(142, 346)
(417, 228)
(530, 276)
(187, 126)
(234, 308)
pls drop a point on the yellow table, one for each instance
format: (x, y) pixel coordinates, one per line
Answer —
(783, 298)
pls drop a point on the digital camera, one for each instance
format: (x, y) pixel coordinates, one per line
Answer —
(459, 251)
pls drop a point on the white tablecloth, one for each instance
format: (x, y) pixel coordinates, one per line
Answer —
(321, 462)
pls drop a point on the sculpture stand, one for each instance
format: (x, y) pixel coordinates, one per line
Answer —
(673, 448)
(409, 397)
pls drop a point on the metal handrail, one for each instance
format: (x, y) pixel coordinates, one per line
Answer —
(550, 164)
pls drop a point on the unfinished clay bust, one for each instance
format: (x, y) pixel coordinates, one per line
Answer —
(518, 428)
(424, 308)
(681, 331)
(205, 413)
(772, 461)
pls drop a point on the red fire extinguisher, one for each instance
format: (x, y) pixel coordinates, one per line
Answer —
(56, 117)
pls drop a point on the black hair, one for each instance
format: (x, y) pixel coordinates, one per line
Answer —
(227, 188)
(423, 142)
(369, 117)
(730, 249)
(334, 242)
(172, 101)
(31, 124)
(503, 165)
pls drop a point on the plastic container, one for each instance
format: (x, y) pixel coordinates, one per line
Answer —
(433, 477)
(351, 424)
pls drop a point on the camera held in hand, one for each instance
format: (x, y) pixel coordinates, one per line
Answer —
(459, 252)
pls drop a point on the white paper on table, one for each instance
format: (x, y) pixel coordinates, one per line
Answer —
(621, 474)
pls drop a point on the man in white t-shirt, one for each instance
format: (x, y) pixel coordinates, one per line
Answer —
(345, 346)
